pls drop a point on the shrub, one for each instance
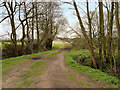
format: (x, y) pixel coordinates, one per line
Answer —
(95, 74)
(9, 51)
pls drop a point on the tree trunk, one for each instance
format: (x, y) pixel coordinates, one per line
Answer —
(32, 27)
(13, 34)
(38, 34)
(89, 23)
(85, 35)
(102, 45)
(28, 46)
(110, 36)
(23, 33)
(23, 37)
(117, 25)
(118, 29)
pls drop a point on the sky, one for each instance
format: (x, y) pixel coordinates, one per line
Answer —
(68, 13)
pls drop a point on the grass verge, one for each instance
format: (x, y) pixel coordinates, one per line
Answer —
(15, 60)
(95, 74)
(10, 65)
(56, 46)
(9, 62)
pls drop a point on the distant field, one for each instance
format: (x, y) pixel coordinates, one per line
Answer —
(10, 42)
(2, 43)
(57, 43)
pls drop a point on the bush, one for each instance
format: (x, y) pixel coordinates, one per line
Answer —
(9, 50)
(95, 74)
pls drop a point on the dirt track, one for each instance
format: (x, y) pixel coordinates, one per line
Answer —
(57, 74)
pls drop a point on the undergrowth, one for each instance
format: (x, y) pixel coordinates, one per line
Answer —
(95, 74)
(9, 61)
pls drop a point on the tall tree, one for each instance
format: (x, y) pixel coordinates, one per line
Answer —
(102, 45)
(117, 24)
(23, 30)
(11, 9)
(85, 35)
(110, 34)
(33, 25)
(89, 23)
(37, 28)
(118, 29)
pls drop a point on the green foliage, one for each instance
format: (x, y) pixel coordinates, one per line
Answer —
(8, 49)
(95, 74)
(16, 60)
(0, 44)
(10, 61)
(79, 43)
(81, 56)
(56, 46)
(68, 46)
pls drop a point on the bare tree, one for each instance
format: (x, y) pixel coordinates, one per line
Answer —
(11, 10)
(85, 35)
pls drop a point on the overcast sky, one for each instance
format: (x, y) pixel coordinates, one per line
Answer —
(68, 13)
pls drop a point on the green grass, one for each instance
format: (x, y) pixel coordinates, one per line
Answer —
(72, 77)
(95, 74)
(53, 54)
(86, 87)
(36, 69)
(10, 61)
(27, 75)
(56, 46)
(25, 83)
(10, 64)
(16, 60)
(4, 71)
(24, 56)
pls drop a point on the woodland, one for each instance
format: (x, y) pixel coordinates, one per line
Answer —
(93, 42)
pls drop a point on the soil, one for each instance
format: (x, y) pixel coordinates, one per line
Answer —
(57, 74)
